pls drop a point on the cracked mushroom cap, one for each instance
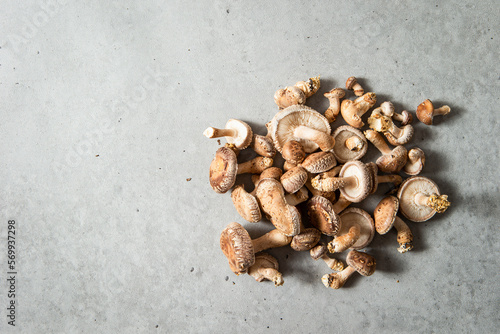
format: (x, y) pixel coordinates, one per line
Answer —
(285, 122)
(264, 260)
(236, 244)
(306, 239)
(246, 204)
(385, 214)
(319, 162)
(223, 170)
(363, 263)
(355, 216)
(341, 150)
(407, 192)
(322, 216)
(361, 188)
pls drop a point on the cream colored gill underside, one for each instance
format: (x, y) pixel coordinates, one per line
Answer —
(407, 203)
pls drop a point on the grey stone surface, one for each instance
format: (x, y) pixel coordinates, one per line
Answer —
(103, 108)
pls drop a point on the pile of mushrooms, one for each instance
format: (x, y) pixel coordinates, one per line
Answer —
(306, 192)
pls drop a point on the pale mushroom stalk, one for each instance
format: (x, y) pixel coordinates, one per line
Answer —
(272, 275)
(405, 237)
(337, 280)
(212, 132)
(391, 161)
(345, 241)
(438, 203)
(325, 183)
(444, 110)
(330, 195)
(255, 166)
(271, 239)
(298, 197)
(378, 142)
(266, 268)
(332, 263)
(341, 204)
(322, 139)
(334, 97)
(395, 135)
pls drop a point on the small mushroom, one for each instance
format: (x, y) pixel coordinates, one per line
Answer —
(387, 109)
(271, 196)
(246, 204)
(266, 267)
(357, 261)
(240, 249)
(293, 152)
(306, 239)
(309, 87)
(319, 162)
(223, 170)
(354, 181)
(263, 146)
(352, 83)
(391, 161)
(320, 252)
(395, 135)
(356, 231)
(323, 216)
(334, 97)
(416, 161)
(385, 218)
(297, 94)
(350, 144)
(236, 132)
(294, 179)
(304, 125)
(353, 110)
(420, 199)
(426, 112)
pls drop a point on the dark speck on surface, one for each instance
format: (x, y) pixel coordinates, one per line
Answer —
(137, 210)
(227, 278)
(234, 283)
(227, 11)
(192, 269)
(156, 326)
(188, 179)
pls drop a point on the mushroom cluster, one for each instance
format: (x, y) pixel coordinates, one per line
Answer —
(305, 190)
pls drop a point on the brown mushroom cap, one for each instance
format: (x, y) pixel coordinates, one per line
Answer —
(363, 263)
(407, 192)
(418, 157)
(263, 146)
(289, 96)
(223, 170)
(264, 261)
(306, 239)
(236, 244)
(293, 152)
(322, 216)
(358, 191)
(424, 112)
(246, 204)
(318, 251)
(355, 216)
(285, 122)
(319, 162)
(294, 179)
(340, 150)
(393, 162)
(385, 214)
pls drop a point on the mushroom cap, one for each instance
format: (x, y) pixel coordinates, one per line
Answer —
(271, 172)
(287, 120)
(294, 179)
(407, 117)
(244, 136)
(318, 251)
(361, 189)
(341, 152)
(322, 216)
(319, 162)
(373, 173)
(355, 216)
(262, 260)
(293, 152)
(385, 214)
(363, 263)
(223, 170)
(289, 96)
(394, 162)
(263, 146)
(407, 192)
(387, 108)
(306, 239)
(271, 196)
(336, 92)
(350, 82)
(246, 204)
(415, 168)
(236, 244)
(405, 137)
(424, 112)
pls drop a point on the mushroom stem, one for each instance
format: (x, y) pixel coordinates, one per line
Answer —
(345, 241)
(354, 143)
(333, 110)
(322, 139)
(333, 264)
(255, 166)
(378, 141)
(326, 183)
(394, 130)
(444, 110)
(272, 274)
(298, 197)
(271, 239)
(405, 237)
(337, 280)
(391, 178)
(438, 203)
(341, 204)
(212, 132)
(329, 195)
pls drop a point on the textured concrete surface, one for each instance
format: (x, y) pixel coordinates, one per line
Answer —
(103, 108)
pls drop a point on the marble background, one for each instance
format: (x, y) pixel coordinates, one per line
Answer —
(103, 108)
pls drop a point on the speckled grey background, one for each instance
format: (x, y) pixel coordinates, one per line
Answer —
(103, 105)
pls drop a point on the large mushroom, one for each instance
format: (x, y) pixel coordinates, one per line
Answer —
(426, 111)
(350, 144)
(353, 110)
(420, 199)
(356, 231)
(357, 261)
(391, 161)
(240, 249)
(304, 125)
(266, 267)
(385, 218)
(236, 132)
